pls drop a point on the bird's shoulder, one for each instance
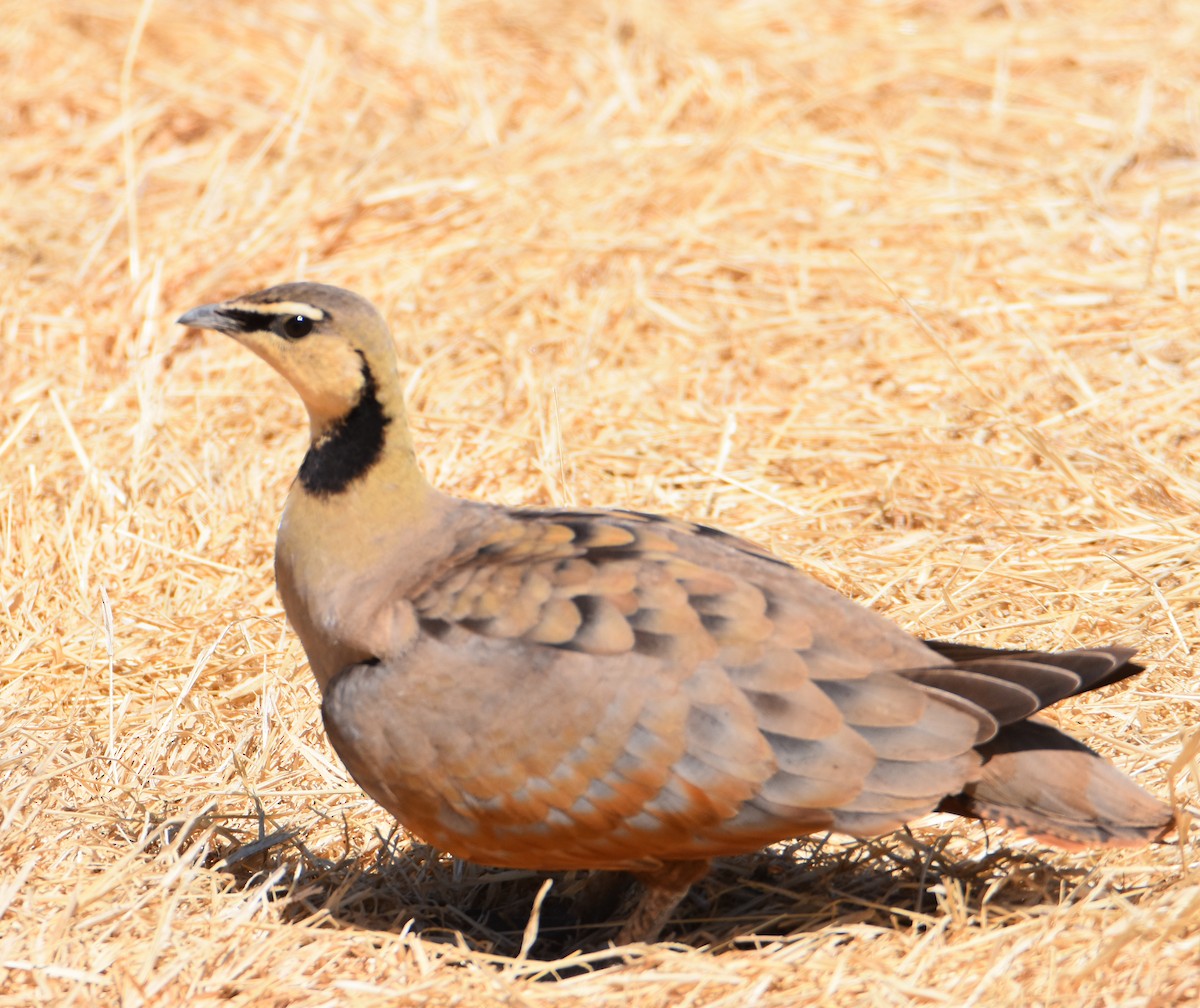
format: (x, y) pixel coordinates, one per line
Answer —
(613, 581)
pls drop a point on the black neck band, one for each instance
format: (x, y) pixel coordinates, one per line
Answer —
(350, 447)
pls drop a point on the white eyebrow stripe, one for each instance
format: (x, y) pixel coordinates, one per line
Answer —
(278, 308)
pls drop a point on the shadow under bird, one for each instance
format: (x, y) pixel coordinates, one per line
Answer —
(603, 689)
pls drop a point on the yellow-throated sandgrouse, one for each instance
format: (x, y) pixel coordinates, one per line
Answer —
(561, 689)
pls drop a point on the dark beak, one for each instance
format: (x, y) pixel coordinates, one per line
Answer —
(208, 316)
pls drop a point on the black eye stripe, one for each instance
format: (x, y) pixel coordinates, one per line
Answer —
(250, 321)
(293, 324)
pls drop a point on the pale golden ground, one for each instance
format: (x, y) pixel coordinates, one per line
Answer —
(904, 291)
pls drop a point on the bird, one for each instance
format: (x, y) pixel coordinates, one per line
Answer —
(565, 689)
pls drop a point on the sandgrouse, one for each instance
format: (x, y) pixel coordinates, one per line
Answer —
(603, 689)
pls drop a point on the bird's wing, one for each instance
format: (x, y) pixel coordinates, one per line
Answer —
(605, 688)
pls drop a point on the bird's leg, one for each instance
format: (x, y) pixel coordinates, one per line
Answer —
(602, 895)
(661, 891)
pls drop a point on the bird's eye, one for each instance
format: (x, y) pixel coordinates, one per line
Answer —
(297, 327)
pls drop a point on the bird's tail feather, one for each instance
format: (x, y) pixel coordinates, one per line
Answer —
(1050, 786)
(1035, 777)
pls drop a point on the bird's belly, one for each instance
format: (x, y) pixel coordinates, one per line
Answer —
(509, 777)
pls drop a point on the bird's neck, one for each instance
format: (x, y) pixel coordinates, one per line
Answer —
(363, 461)
(360, 526)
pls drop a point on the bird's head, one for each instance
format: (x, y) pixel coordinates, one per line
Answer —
(330, 344)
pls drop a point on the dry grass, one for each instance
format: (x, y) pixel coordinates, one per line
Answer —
(903, 290)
